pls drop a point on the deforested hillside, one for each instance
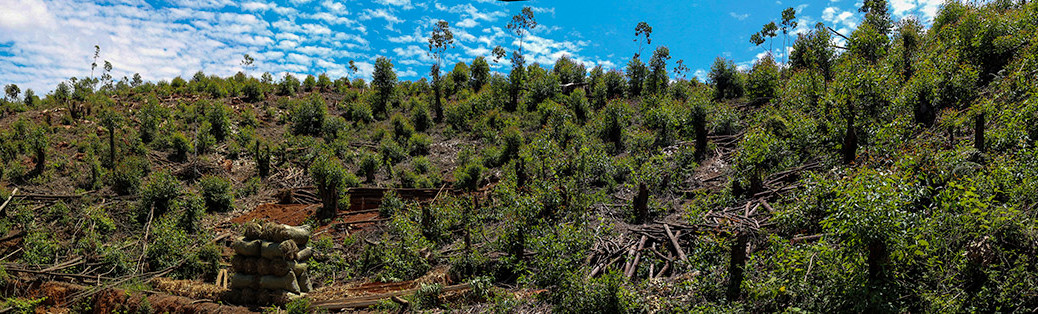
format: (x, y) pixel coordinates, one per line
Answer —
(893, 168)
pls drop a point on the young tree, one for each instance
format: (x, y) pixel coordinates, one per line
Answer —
(789, 23)
(12, 92)
(480, 73)
(725, 78)
(877, 15)
(441, 39)
(520, 25)
(384, 81)
(680, 70)
(642, 29)
(762, 83)
(111, 120)
(658, 79)
(247, 61)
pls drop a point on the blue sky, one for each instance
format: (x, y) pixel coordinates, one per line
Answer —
(43, 42)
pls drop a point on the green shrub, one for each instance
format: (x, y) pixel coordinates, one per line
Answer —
(420, 116)
(332, 180)
(369, 165)
(253, 91)
(40, 247)
(358, 111)
(391, 151)
(288, 86)
(402, 128)
(219, 120)
(181, 146)
(762, 83)
(427, 296)
(726, 79)
(126, 178)
(151, 116)
(191, 208)
(468, 176)
(577, 102)
(204, 140)
(308, 116)
(309, 83)
(216, 192)
(160, 189)
(418, 144)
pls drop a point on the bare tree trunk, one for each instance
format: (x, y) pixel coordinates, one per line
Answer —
(850, 142)
(736, 266)
(978, 130)
(641, 203)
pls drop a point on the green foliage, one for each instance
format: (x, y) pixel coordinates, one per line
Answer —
(402, 128)
(40, 247)
(288, 86)
(369, 165)
(658, 80)
(332, 180)
(181, 146)
(160, 189)
(216, 192)
(358, 111)
(383, 80)
(636, 74)
(126, 177)
(480, 73)
(308, 116)
(762, 83)
(219, 120)
(469, 176)
(605, 294)
(868, 42)
(726, 79)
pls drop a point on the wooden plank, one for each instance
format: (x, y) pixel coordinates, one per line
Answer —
(369, 300)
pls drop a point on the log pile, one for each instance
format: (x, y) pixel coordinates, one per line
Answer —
(269, 265)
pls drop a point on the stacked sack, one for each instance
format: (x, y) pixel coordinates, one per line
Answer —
(269, 264)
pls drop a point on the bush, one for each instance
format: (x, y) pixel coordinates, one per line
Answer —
(126, 177)
(383, 79)
(204, 140)
(308, 116)
(331, 180)
(418, 144)
(151, 116)
(762, 83)
(358, 111)
(181, 147)
(468, 176)
(288, 85)
(402, 128)
(420, 116)
(369, 165)
(577, 102)
(160, 189)
(216, 192)
(391, 151)
(219, 121)
(309, 83)
(252, 91)
(725, 78)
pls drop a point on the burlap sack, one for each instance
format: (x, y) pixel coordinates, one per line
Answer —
(286, 250)
(246, 248)
(287, 283)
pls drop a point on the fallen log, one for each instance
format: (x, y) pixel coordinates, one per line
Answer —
(674, 242)
(369, 300)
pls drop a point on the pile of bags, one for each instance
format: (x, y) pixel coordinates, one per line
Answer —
(269, 264)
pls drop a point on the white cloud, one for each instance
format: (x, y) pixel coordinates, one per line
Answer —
(20, 14)
(739, 16)
(382, 14)
(405, 4)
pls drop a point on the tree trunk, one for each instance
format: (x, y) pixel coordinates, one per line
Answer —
(877, 260)
(701, 143)
(850, 142)
(978, 133)
(111, 148)
(427, 223)
(329, 201)
(641, 203)
(736, 266)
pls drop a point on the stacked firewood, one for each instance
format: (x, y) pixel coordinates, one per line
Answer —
(269, 264)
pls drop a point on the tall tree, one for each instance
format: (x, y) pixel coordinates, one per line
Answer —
(520, 25)
(480, 73)
(658, 79)
(12, 91)
(384, 81)
(639, 30)
(440, 39)
(247, 62)
(789, 23)
(877, 15)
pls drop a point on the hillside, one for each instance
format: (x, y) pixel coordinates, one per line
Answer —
(897, 172)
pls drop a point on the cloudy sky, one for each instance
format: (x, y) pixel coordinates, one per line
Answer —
(43, 42)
